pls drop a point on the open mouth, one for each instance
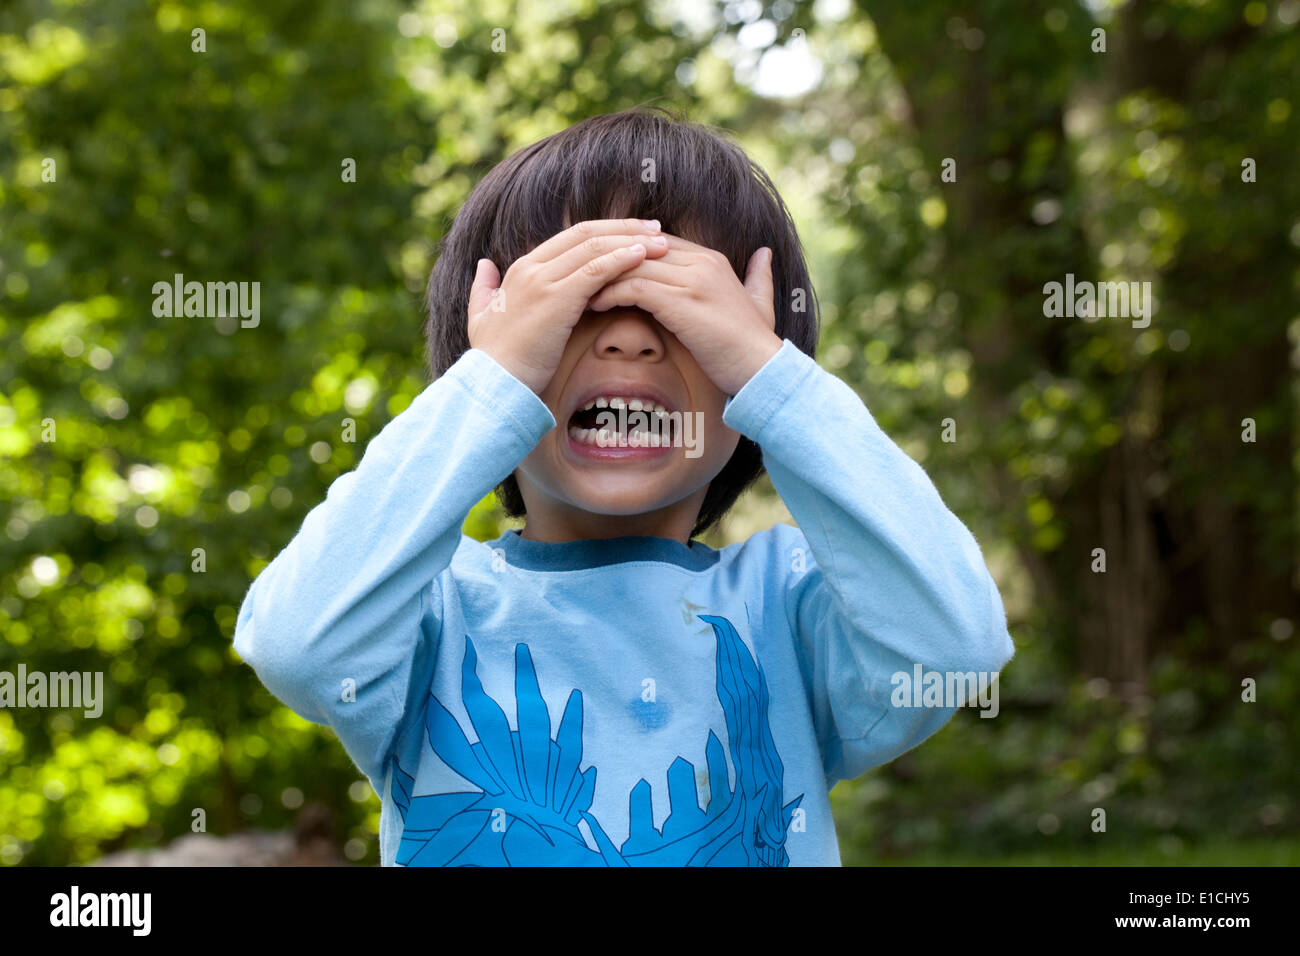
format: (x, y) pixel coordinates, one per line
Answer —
(617, 421)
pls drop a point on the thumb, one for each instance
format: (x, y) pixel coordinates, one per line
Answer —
(758, 279)
(486, 279)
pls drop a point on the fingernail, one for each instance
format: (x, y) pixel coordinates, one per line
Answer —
(658, 241)
(652, 225)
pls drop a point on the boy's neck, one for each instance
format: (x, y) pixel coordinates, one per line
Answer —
(674, 522)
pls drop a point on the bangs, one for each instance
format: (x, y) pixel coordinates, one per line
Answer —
(640, 165)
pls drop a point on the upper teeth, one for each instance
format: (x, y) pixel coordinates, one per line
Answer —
(632, 404)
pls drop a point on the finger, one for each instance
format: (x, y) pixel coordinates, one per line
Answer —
(638, 290)
(486, 279)
(679, 271)
(683, 250)
(665, 271)
(574, 259)
(576, 234)
(587, 280)
(683, 245)
(758, 279)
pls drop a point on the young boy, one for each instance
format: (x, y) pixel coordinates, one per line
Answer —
(598, 688)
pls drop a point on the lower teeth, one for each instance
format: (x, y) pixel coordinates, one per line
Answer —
(608, 439)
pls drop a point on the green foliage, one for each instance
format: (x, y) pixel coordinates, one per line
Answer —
(1186, 764)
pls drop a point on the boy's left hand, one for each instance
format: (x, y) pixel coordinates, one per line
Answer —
(694, 293)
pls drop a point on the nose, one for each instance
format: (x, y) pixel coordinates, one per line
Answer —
(629, 333)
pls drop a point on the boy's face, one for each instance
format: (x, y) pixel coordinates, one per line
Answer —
(574, 486)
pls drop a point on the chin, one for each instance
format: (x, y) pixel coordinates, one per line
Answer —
(620, 506)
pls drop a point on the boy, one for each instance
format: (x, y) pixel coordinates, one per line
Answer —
(599, 689)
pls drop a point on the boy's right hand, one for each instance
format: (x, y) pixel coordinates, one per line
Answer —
(546, 291)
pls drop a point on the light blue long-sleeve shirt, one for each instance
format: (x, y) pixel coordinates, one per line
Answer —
(633, 700)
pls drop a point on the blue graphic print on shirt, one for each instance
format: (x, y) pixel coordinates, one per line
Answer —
(532, 794)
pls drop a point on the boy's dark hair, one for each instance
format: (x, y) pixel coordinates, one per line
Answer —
(702, 187)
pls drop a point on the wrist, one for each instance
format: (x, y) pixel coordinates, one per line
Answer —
(758, 355)
(518, 370)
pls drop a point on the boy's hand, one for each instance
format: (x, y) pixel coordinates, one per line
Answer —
(693, 292)
(524, 322)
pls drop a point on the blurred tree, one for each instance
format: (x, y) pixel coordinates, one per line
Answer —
(1121, 162)
(1131, 164)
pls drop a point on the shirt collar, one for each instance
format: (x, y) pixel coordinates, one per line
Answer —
(598, 552)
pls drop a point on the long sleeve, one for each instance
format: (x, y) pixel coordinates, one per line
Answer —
(895, 579)
(342, 626)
